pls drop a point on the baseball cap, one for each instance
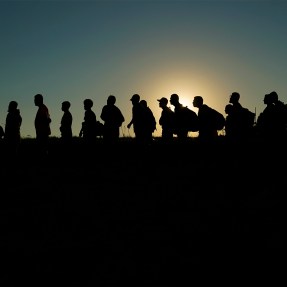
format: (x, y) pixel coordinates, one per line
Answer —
(163, 100)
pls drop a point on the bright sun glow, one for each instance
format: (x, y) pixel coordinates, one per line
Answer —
(180, 84)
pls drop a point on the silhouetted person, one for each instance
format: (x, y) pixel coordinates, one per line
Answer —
(149, 122)
(89, 125)
(181, 129)
(113, 119)
(1, 133)
(166, 120)
(137, 119)
(2, 151)
(12, 129)
(229, 123)
(66, 123)
(207, 131)
(234, 100)
(266, 126)
(281, 114)
(42, 125)
(243, 119)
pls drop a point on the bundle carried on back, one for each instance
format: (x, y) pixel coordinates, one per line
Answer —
(217, 119)
(191, 119)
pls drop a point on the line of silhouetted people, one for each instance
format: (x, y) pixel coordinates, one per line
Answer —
(238, 124)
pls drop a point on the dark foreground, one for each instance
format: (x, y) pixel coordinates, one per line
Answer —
(178, 214)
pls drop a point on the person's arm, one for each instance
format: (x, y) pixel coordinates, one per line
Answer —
(103, 114)
(130, 124)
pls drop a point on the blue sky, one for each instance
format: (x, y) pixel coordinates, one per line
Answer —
(72, 50)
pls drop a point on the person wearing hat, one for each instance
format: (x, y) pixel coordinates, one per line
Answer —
(166, 119)
(137, 118)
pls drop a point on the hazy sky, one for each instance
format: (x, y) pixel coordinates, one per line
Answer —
(72, 50)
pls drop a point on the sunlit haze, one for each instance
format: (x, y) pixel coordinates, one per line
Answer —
(72, 50)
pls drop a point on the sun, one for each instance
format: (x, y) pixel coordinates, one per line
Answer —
(186, 101)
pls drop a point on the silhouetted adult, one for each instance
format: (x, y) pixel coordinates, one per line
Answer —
(181, 129)
(1, 133)
(149, 122)
(2, 151)
(89, 125)
(229, 122)
(234, 100)
(113, 119)
(281, 114)
(242, 119)
(137, 120)
(266, 125)
(66, 123)
(42, 124)
(12, 128)
(166, 120)
(207, 131)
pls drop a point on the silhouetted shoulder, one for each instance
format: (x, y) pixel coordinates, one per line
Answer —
(1, 132)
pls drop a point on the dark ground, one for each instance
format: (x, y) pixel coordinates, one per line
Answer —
(179, 214)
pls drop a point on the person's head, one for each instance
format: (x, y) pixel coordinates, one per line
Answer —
(65, 106)
(88, 104)
(197, 101)
(143, 103)
(111, 100)
(174, 99)
(228, 109)
(268, 99)
(163, 102)
(234, 98)
(273, 97)
(12, 106)
(135, 98)
(38, 100)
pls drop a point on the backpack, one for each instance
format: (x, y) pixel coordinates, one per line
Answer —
(217, 118)
(99, 128)
(191, 120)
(248, 118)
(281, 112)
